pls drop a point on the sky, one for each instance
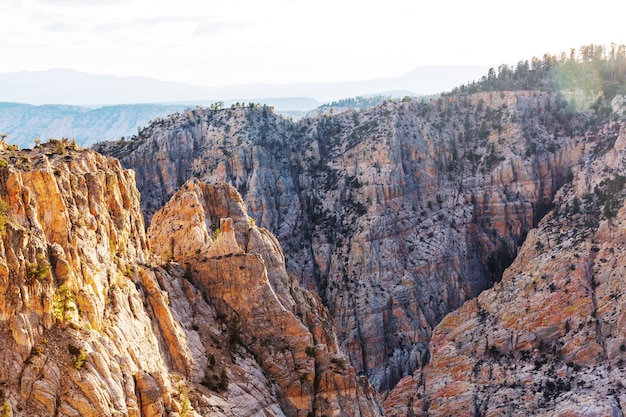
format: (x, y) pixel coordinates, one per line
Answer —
(219, 43)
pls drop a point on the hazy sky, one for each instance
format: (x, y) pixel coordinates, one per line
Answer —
(217, 43)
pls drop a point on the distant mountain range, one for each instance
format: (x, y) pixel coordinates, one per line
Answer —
(23, 123)
(64, 86)
(92, 108)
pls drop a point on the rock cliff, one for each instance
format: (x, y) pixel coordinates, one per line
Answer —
(549, 338)
(241, 270)
(93, 322)
(77, 339)
(394, 215)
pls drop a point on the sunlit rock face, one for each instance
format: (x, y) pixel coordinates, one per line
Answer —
(241, 270)
(95, 322)
(395, 215)
(77, 339)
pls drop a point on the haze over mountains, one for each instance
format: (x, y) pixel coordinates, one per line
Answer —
(64, 86)
(62, 103)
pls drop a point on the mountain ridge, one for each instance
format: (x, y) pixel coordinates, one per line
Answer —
(457, 256)
(548, 339)
(63, 86)
(400, 214)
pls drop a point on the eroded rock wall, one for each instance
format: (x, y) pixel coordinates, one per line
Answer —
(241, 270)
(77, 339)
(549, 338)
(94, 322)
(395, 215)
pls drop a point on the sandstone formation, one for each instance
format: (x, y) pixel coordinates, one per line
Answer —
(77, 339)
(461, 256)
(94, 323)
(241, 271)
(395, 215)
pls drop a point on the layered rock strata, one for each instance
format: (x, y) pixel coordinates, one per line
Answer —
(92, 325)
(241, 269)
(395, 215)
(77, 339)
(548, 339)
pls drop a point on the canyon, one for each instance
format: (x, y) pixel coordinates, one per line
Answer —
(456, 256)
(395, 216)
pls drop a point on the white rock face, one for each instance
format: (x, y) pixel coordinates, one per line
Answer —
(549, 338)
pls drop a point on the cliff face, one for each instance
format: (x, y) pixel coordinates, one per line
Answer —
(241, 270)
(77, 339)
(549, 338)
(92, 325)
(412, 216)
(234, 146)
(395, 215)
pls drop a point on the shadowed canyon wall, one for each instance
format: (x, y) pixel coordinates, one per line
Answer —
(395, 215)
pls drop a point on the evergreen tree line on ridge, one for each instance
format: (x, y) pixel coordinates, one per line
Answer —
(591, 68)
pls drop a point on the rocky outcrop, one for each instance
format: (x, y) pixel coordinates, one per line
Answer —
(76, 337)
(241, 271)
(394, 215)
(234, 146)
(549, 338)
(91, 324)
(422, 217)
